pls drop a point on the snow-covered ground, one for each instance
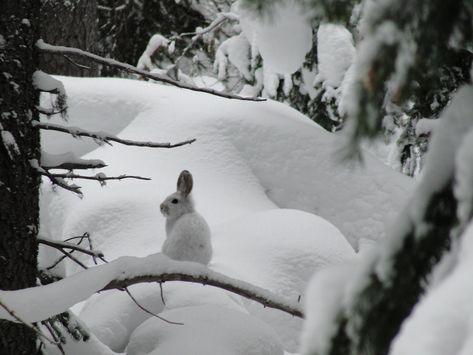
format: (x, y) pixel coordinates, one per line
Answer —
(280, 205)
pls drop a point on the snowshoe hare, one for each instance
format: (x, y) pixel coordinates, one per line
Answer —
(187, 232)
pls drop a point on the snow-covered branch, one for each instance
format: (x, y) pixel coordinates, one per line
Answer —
(39, 303)
(103, 137)
(211, 278)
(219, 21)
(61, 50)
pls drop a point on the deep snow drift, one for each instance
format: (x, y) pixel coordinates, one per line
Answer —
(251, 163)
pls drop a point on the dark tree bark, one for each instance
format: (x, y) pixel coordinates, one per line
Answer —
(19, 144)
(70, 23)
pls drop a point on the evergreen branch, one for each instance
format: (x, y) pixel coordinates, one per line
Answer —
(373, 315)
(61, 50)
(105, 137)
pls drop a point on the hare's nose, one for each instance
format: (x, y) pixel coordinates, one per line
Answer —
(161, 206)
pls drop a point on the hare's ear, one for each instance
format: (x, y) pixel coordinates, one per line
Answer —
(185, 183)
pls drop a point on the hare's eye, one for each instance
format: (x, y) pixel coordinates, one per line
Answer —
(175, 201)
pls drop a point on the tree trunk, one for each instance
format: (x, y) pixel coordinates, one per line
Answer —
(19, 143)
(70, 23)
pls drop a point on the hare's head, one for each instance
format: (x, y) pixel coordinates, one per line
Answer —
(180, 202)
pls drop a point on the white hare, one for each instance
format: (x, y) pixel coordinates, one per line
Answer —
(187, 232)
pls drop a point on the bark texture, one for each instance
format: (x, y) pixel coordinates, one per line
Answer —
(70, 23)
(19, 143)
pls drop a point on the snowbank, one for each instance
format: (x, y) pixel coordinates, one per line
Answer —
(251, 160)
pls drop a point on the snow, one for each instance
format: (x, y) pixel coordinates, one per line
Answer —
(154, 43)
(237, 50)
(335, 52)
(426, 126)
(325, 297)
(464, 179)
(47, 83)
(226, 332)
(266, 180)
(283, 39)
(53, 160)
(9, 143)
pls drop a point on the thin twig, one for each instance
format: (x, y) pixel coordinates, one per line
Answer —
(73, 258)
(148, 311)
(77, 64)
(52, 332)
(139, 305)
(60, 50)
(64, 245)
(105, 137)
(161, 293)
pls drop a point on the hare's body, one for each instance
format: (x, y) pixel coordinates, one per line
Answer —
(188, 238)
(187, 232)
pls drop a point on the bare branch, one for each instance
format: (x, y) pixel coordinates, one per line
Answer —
(58, 180)
(77, 64)
(98, 177)
(61, 50)
(105, 137)
(64, 245)
(209, 280)
(73, 258)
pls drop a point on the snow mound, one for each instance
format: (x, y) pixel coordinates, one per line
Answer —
(113, 316)
(249, 160)
(226, 332)
(245, 153)
(286, 247)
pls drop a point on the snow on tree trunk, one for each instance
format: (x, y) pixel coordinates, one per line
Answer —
(70, 23)
(19, 143)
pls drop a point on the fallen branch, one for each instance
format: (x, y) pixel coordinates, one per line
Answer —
(105, 137)
(61, 50)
